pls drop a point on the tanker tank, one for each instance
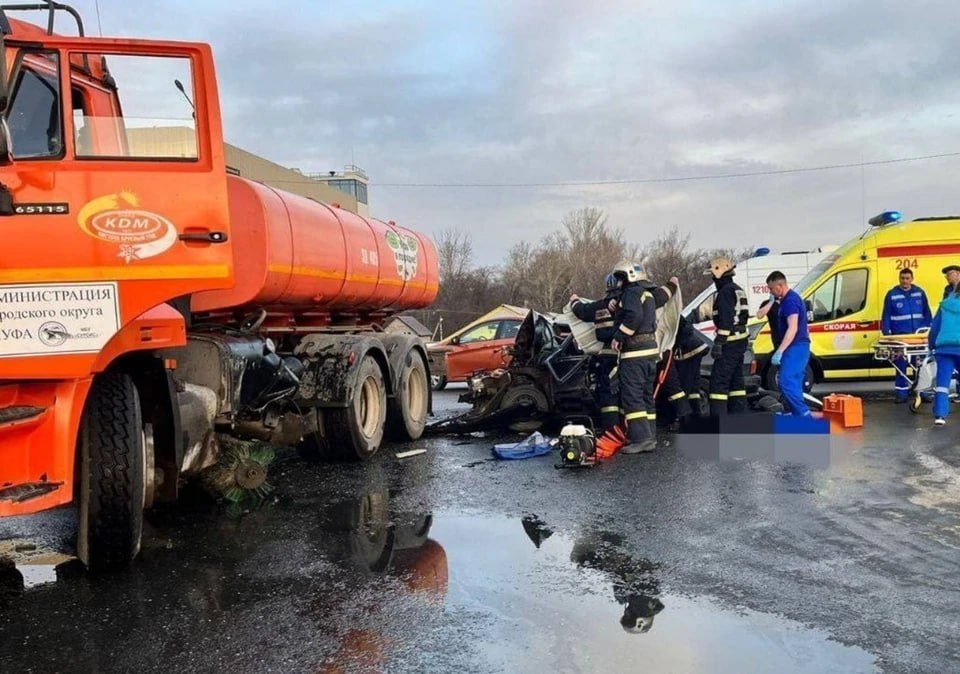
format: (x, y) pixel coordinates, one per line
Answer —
(294, 254)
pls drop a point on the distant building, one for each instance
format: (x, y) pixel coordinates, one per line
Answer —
(408, 325)
(352, 181)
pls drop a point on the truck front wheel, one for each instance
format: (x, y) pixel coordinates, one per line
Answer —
(356, 431)
(113, 456)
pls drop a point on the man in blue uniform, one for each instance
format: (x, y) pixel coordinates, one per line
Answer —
(905, 310)
(794, 351)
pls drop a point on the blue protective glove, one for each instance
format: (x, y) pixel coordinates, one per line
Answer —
(776, 358)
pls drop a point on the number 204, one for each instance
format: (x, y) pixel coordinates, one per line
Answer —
(907, 263)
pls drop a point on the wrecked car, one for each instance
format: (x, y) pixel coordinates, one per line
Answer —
(550, 378)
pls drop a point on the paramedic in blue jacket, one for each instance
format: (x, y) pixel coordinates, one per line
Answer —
(793, 354)
(905, 310)
(945, 341)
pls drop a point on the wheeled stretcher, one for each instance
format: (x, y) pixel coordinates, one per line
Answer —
(914, 349)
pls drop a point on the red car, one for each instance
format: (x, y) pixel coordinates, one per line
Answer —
(478, 347)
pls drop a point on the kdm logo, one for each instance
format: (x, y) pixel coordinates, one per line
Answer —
(115, 218)
(405, 254)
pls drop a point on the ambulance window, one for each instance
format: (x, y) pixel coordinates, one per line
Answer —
(842, 295)
(851, 292)
(822, 300)
(34, 117)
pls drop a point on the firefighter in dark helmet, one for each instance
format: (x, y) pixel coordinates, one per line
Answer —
(600, 313)
(636, 342)
(730, 314)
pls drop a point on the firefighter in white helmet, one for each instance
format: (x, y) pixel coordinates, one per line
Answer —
(636, 341)
(730, 314)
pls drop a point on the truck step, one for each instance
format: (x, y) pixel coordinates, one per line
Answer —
(19, 413)
(18, 493)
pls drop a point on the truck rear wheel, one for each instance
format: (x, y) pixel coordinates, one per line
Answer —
(113, 456)
(409, 409)
(356, 430)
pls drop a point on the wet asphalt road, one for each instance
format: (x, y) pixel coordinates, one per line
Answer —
(453, 561)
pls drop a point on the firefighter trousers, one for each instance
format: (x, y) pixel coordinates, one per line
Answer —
(727, 391)
(637, 373)
(671, 389)
(606, 391)
(689, 372)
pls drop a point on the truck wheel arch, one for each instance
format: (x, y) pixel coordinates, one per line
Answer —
(158, 402)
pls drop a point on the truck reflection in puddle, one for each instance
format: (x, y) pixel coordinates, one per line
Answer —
(216, 591)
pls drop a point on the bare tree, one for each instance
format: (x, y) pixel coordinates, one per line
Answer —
(454, 254)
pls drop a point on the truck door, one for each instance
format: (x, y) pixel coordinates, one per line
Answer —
(842, 324)
(118, 184)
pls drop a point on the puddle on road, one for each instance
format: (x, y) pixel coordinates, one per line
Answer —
(567, 606)
(405, 591)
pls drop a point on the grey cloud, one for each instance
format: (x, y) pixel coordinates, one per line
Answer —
(606, 90)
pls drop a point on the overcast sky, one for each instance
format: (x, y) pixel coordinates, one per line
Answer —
(556, 91)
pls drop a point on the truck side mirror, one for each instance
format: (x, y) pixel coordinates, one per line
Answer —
(455, 341)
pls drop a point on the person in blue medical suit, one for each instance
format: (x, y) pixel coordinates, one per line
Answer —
(793, 353)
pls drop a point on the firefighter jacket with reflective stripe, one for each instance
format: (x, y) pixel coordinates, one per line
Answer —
(637, 319)
(905, 311)
(598, 313)
(731, 310)
(689, 342)
(661, 294)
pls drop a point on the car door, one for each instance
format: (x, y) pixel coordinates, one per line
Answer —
(471, 351)
(499, 354)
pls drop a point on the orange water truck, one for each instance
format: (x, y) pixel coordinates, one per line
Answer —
(150, 303)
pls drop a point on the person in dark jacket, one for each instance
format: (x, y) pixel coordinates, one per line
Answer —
(944, 340)
(905, 310)
(770, 309)
(731, 311)
(671, 394)
(600, 314)
(952, 273)
(691, 347)
(636, 342)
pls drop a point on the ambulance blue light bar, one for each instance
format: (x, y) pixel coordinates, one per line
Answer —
(760, 252)
(885, 218)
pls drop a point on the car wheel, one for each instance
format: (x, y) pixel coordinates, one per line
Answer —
(438, 382)
(525, 394)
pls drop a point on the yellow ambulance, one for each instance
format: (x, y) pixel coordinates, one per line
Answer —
(844, 293)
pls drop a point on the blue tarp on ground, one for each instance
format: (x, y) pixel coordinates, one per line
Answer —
(534, 445)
